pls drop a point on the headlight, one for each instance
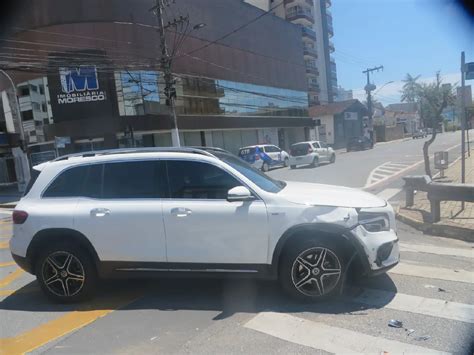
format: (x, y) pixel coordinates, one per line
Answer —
(374, 222)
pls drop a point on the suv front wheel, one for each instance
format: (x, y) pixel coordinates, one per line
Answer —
(312, 270)
(66, 273)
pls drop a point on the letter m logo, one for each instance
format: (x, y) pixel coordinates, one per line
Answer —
(78, 79)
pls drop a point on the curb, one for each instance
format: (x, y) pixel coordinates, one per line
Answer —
(441, 230)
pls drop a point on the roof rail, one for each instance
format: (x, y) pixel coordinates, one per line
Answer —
(194, 150)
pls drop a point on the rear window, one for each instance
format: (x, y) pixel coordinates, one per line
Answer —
(299, 149)
(246, 151)
(68, 184)
(34, 176)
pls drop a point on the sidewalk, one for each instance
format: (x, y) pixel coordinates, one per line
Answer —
(454, 222)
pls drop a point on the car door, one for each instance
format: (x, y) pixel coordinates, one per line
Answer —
(123, 218)
(274, 153)
(202, 227)
(322, 153)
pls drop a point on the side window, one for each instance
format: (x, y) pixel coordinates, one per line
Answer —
(316, 145)
(196, 180)
(68, 184)
(93, 182)
(272, 149)
(125, 180)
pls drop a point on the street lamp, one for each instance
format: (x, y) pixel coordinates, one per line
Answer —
(384, 85)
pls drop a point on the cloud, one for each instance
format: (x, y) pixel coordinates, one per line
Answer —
(390, 93)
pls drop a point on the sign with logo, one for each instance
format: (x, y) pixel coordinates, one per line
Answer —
(469, 71)
(81, 85)
(350, 116)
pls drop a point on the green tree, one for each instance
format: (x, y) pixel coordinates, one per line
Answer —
(433, 98)
(411, 88)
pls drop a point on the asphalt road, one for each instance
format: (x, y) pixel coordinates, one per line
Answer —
(431, 292)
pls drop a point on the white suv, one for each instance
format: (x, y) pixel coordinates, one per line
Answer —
(191, 211)
(311, 153)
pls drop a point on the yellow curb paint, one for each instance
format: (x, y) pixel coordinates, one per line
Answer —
(4, 293)
(45, 333)
(11, 277)
(4, 245)
(10, 263)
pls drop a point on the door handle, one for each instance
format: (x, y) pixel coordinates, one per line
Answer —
(181, 211)
(100, 212)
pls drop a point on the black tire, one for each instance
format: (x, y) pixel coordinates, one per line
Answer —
(315, 162)
(292, 166)
(312, 279)
(265, 167)
(76, 264)
(333, 158)
(286, 162)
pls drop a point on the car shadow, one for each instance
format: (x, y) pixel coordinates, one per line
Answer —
(228, 296)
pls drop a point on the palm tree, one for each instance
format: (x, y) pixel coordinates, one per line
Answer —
(411, 89)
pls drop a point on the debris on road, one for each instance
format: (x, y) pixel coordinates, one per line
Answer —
(395, 323)
(423, 337)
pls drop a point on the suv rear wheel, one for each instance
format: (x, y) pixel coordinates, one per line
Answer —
(315, 162)
(265, 167)
(66, 273)
(312, 270)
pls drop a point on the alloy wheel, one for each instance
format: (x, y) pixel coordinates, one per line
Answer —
(316, 271)
(63, 274)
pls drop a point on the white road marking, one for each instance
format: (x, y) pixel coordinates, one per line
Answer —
(416, 304)
(431, 272)
(371, 180)
(387, 194)
(327, 338)
(431, 249)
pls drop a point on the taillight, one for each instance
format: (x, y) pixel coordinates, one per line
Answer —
(257, 157)
(19, 217)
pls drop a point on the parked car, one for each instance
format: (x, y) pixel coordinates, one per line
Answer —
(264, 156)
(311, 153)
(359, 143)
(419, 134)
(193, 212)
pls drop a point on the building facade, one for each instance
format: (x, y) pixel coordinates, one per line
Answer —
(91, 73)
(315, 20)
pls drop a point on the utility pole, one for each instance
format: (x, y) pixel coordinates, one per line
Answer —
(368, 89)
(463, 120)
(170, 90)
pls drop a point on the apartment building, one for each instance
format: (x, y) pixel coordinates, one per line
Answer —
(315, 19)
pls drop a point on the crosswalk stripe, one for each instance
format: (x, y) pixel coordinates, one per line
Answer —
(431, 272)
(397, 164)
(387, 194)
(328, 338)
(432, 249)
(416, 304)
(11, 277)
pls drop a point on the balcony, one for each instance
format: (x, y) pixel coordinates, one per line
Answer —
(314, 87)
(310, 52)
(331, 47)
(300, 13)
(308, 2)
(333, 61)
(328, 3)
(308, 33)
(330, 28)
(312, 70)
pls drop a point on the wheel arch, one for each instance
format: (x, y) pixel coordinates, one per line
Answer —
(310, 230)
(52, 235)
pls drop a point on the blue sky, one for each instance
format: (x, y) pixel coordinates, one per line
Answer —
(418, 37)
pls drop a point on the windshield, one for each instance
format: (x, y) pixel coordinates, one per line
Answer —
(259, 178)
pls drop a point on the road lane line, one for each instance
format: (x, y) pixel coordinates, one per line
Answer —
(431, 272)
(416, 304)
(387, 194)
(52, 330)
(431, 249)
(328, 338)
(11, 277)
(10, 263)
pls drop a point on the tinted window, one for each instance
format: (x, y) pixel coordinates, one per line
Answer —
(195, 180)
(316, 145)
(34, 175)
(92, 186)
(131, 180)
(299, 149)
(68, 183)
(271, 149)
(246, 151)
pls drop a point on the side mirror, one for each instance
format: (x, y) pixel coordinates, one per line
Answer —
(239, 193)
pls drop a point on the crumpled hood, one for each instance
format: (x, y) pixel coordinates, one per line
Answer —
(329, 195)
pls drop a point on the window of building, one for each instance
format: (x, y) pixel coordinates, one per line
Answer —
(131, 180)
(44, 107)
(34, 88)
(36, 106)
(24, 90)
(196, 180)
(27, 115)
(46, 121)
(41, 89)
